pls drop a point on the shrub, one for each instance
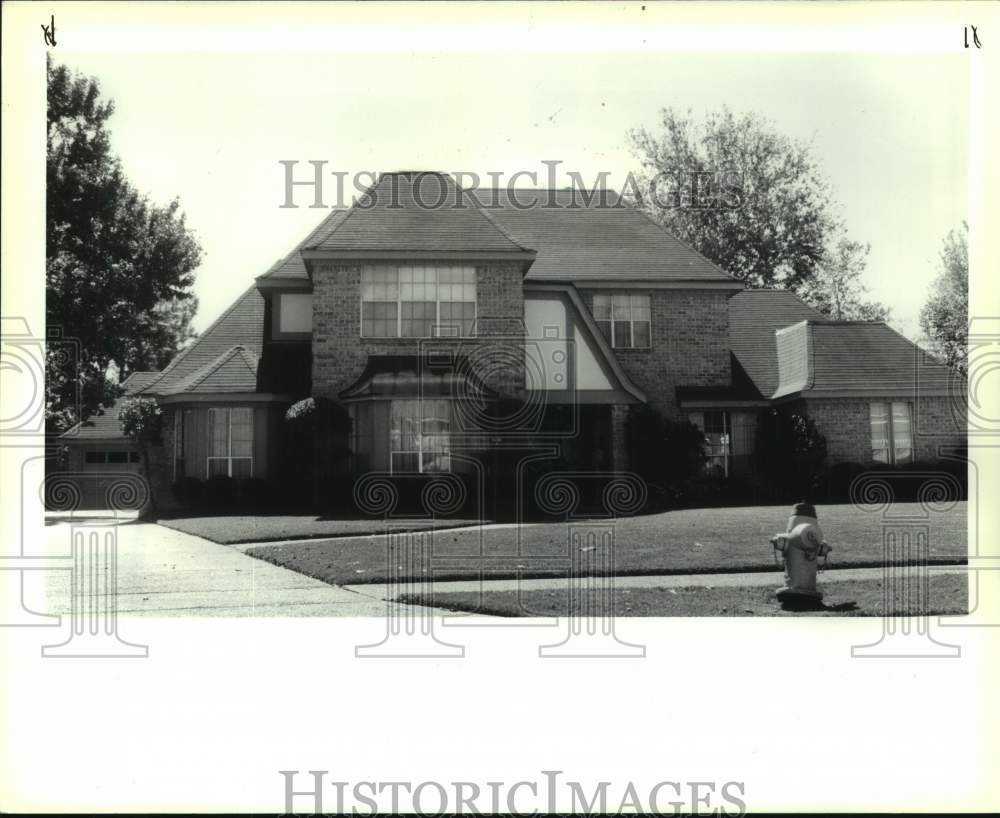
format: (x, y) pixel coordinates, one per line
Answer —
(220, 492)
(189, 491)
(255, 493)
(664, 452)
(789, 452)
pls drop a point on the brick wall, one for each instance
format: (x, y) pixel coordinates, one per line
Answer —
(845, 422)
(689, 344)
(340, 353)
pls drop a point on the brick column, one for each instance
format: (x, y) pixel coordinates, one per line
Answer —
(619, 439)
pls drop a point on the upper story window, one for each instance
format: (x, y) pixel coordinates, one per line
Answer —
(624, 319)
(891, 428)
(418, 301)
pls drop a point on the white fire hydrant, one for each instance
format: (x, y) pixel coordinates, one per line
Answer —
(801, 546)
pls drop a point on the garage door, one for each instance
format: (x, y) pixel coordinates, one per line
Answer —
(103, 482)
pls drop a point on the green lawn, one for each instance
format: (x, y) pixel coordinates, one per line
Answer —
(948, 594)
(674, 542)
(241, 528)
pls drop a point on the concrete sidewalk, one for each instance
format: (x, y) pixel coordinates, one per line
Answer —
(163, 572)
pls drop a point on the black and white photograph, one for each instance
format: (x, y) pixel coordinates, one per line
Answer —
(359, 359)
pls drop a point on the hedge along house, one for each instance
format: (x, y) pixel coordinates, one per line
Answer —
(455, 324)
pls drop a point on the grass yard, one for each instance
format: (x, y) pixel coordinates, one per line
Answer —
(228, 529)
(673, 542)
(948, 594)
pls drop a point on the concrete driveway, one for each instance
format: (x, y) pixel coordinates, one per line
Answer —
(162, 572)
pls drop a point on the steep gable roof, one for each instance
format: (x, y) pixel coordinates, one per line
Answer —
(235, 370)
(414, 211)
(754, 317)
(581, 235)
(241, 325)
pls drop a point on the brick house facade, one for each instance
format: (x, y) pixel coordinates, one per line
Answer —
(580, 311)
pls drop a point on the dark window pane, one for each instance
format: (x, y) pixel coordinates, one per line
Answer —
(93, 457)
(641, 330)
(133, 457)
(621, 335)
(118, 457)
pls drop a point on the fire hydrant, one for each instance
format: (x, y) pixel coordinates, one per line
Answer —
(801, 546)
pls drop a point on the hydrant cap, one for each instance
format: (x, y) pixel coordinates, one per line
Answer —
(805, 510)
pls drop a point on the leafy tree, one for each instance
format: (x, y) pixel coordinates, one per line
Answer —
(116, 264)
(836, 290)
(738, 191)
(141, 421)
(945, 316)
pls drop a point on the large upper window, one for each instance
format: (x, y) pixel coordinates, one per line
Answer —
(624, 319)
(230, 442)
(420, 436)
(892, 436)
(417, 301)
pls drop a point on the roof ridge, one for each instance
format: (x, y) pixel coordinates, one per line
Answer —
(680, 241)
(213, 366)
(182, 355)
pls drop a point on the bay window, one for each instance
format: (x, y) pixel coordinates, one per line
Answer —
(624, 319)
(420, 436)
(417, 301)
(230, 442)
(891, 432)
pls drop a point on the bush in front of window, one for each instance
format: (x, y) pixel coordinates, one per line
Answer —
(220, 493)
(189, 492)
(666, 453)
(790, 453)
(315, 451)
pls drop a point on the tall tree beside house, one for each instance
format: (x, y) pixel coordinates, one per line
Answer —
(945, 316)
(141, 421)
(836, 289)
(119, 269)
(738, 191)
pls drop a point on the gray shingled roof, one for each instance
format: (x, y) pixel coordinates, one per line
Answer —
(235, 370)
(754, 317)
(390, 217)
(603, 239)
(241, 325)
(137, 380)
(858, 356)
(577, 236)
(101, 425)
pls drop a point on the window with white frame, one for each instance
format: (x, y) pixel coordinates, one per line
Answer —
(420, 436)
(717, 428)
(418, 301)
(624, 319)
(230, 442)
(892, 432)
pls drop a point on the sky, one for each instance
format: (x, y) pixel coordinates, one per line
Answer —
(888, 130)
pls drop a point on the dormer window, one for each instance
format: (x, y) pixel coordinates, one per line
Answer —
(624, 319)
(418, 301)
